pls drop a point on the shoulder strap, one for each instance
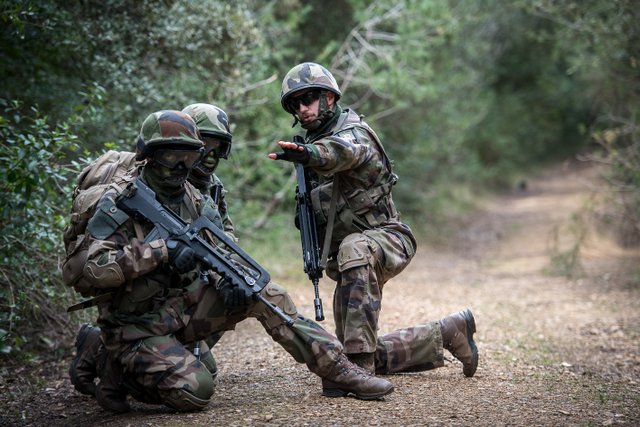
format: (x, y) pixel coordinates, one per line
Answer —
(192, 200)
(330, 220)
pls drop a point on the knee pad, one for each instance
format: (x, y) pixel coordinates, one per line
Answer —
(209, 362)
(356, 250)
(206, 356)
(189, 389)
(183, 400)
(278, 296)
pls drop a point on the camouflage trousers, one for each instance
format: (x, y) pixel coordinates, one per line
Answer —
(163, 360)
(413, 349)
(364, 263)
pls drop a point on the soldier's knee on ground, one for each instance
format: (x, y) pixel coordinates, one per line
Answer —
(184, 400)
(187, 393)
(356, 250)
(205, 356)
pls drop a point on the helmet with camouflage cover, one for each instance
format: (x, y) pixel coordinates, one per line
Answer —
(211, 122)
(167, 129)
(307, 75)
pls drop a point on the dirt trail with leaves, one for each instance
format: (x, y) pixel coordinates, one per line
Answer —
(559, 342)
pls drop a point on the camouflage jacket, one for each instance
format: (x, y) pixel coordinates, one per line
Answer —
(149, 297)
(349, 152)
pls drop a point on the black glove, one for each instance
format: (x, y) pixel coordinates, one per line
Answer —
(235, 296)
(295, 155)
(181, 256)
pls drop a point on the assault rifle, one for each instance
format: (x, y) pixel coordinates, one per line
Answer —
(308, 233)
(138, 200)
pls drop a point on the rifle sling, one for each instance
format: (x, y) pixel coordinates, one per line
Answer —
(332, 215)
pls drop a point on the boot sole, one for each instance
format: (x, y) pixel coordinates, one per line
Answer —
(469, 371)
(338, 392)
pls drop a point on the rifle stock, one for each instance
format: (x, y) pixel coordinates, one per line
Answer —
(311, 252)
(140, 201)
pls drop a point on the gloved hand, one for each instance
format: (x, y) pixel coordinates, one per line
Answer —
(299, 154)
(235, 296)
(181, 256)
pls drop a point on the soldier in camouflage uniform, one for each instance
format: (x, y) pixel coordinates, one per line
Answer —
(162, 304)
(368, 243)
(213, 126)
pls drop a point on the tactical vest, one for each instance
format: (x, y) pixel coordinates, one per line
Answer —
(357, 208)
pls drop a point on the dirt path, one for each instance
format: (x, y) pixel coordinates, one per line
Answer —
(553, 351)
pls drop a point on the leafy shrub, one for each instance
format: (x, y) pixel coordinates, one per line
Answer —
(34, 199)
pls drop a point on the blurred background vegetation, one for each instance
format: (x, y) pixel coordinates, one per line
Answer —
(468, 96)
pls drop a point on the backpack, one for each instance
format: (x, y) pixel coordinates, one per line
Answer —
(92, 182)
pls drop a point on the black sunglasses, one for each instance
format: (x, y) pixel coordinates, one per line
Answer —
(305, 99)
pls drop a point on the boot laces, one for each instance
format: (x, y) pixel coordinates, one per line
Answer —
(346, 366)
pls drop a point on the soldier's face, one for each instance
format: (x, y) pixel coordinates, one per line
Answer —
(212, 153)
(306, 104)
(169, 178)
(170, 167)
(310, 113)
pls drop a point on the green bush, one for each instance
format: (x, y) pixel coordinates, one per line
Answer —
(34, 204)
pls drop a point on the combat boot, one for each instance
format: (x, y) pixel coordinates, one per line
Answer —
(83, 370)
(347, 378)
(457, 337)
(110, 392)
(366, 361)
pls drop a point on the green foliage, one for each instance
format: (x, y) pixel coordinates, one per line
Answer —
(600, 42)
(33, 206)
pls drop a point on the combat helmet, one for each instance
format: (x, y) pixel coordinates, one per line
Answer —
(211, 122)
(167, 129)
(304, 76)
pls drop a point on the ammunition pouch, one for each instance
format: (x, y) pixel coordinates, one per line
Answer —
(321, 206)
(357, 210)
